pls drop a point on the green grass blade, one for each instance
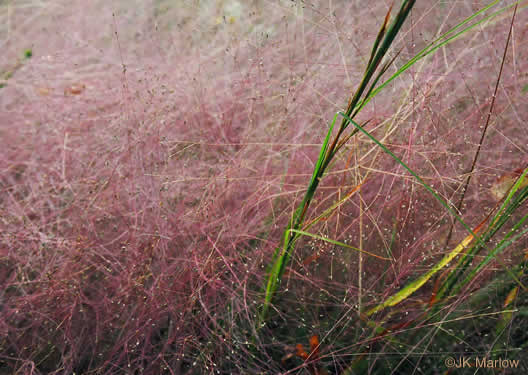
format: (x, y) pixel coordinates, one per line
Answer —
(418, 283)
(379, 37)
(441, 41)
(322, 154)
(282, 254)
(388, 39)
(501, 246)
(510, 204)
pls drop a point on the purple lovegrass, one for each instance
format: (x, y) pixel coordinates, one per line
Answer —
(153, 153)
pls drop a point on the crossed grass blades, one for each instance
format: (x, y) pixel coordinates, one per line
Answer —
(469, 246)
